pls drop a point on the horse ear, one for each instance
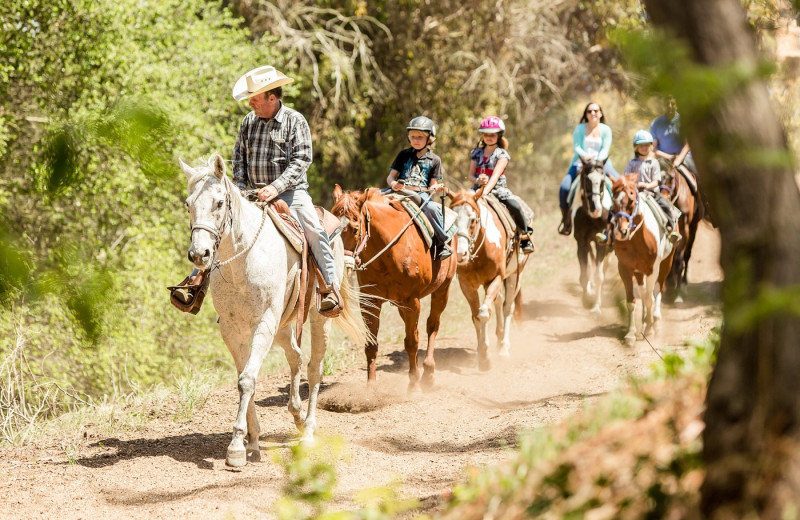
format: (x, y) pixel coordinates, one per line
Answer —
(188, 171)
(479, 193)
(219, 166)
(337, 193)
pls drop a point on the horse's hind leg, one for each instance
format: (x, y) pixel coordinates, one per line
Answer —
(261, 343)
(320, 339)
(288, 340)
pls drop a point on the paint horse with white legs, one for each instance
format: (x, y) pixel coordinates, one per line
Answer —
(643, 251)
(255, 280)
(487, 257)
(593, 187)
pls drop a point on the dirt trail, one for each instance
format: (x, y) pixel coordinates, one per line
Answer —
(560, 357)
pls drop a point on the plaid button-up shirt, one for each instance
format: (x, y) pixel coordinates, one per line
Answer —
(273, 151)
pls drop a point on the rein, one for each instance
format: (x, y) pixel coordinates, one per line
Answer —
(621, 214)
(365, 217)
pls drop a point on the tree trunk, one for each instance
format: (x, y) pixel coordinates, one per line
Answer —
(751, 449)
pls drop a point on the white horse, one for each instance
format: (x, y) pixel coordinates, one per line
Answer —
(255, 295)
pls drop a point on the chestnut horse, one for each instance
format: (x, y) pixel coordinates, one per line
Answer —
(590, 218)
(677, 189)
(643, 252)
(487, 258)
(395, 265)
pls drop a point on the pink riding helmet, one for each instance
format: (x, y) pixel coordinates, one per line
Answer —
(492, 125)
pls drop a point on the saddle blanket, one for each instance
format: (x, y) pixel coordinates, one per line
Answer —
(290, 228)
(505, 216)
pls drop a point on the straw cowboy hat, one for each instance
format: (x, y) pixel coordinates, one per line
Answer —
(259, 80)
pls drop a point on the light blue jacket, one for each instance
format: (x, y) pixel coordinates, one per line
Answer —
(577, 142)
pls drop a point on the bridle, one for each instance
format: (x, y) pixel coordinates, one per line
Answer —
(584, 195)
(227, 224)
(472, 251)
(362, 233)
(623, 215)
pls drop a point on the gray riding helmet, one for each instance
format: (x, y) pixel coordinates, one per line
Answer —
(424, 124)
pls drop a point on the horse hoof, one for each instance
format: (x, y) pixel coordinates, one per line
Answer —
(595, 311)
(308, 438)
(504, 352)
(630, 339)
(484, 365)
(678, 299)
(254, 455)
(236, 458)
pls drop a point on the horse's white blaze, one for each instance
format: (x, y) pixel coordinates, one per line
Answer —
(490, 230)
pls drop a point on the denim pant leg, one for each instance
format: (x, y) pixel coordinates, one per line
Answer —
(302, 209)
(566, 184)
(517, 213)
(434, 214)
(688, 161)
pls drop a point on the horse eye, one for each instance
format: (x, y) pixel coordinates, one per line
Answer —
(220, 203)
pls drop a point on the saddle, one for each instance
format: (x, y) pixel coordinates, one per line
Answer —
(421, 221)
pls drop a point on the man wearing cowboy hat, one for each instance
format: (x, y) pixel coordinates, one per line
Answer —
(273, 149)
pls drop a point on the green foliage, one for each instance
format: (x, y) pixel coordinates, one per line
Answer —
(100, 99)
(311, 482)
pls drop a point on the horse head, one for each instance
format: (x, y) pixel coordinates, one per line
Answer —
(349, 207)
(592, 186)
(670, 185)
(625, 207)
(468, 221)
(211, 204)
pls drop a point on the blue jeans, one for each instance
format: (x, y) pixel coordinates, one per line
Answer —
(569, 178)
(434, 213)
(302, 209)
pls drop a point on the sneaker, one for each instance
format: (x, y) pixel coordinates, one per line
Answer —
(601, 238)
(527, 247)
(328, 302)
(445, 252)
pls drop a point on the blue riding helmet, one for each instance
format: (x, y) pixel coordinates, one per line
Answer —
(642, 137)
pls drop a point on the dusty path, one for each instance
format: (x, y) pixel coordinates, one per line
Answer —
(560, 357)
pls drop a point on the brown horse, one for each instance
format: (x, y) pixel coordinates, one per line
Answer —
(643, 252)
(677, 189)
(590, 219)
(395, 266)
(488, 258)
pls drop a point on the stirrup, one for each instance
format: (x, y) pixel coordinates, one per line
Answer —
(334, 311)
(565, 227)
(187, 296)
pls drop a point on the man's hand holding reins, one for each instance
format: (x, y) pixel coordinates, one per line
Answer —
(267, 193)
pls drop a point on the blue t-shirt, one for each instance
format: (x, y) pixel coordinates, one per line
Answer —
(668, 134)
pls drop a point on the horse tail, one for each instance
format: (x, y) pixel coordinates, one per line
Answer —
(350, 320)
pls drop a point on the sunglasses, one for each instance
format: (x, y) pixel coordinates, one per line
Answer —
(592, 111)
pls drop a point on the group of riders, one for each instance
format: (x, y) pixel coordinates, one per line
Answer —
(273, 151)
(655, 151)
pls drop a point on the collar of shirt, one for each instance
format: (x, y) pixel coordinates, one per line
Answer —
(279, 117)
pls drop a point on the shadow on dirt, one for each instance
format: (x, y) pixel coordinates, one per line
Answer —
(615, 331)
(196, 448)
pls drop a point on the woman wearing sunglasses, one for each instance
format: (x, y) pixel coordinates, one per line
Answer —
(591, 140)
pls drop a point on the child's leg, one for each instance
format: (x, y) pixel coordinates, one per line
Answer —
(435, 217)
(517, 213)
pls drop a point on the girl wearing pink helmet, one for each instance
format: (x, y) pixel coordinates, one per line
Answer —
(488, 168)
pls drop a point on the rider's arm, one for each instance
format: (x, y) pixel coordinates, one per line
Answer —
(473, 169)
(392, 179)
(298, 144)
(577, 140)
(499, 168)
(606, 138)
(661, 154)
(681, 155)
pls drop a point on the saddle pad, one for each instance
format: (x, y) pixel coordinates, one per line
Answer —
(658, 213)
(290, 228)
(690, 178)
(330, 222)
(424, 225)
(505, 216)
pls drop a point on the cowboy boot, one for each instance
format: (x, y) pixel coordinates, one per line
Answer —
(565, 228)
(526, 244)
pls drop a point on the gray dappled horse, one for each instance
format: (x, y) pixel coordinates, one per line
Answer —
(255, 283)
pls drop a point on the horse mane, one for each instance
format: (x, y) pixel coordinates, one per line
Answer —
(463, 197)
(348, 205)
